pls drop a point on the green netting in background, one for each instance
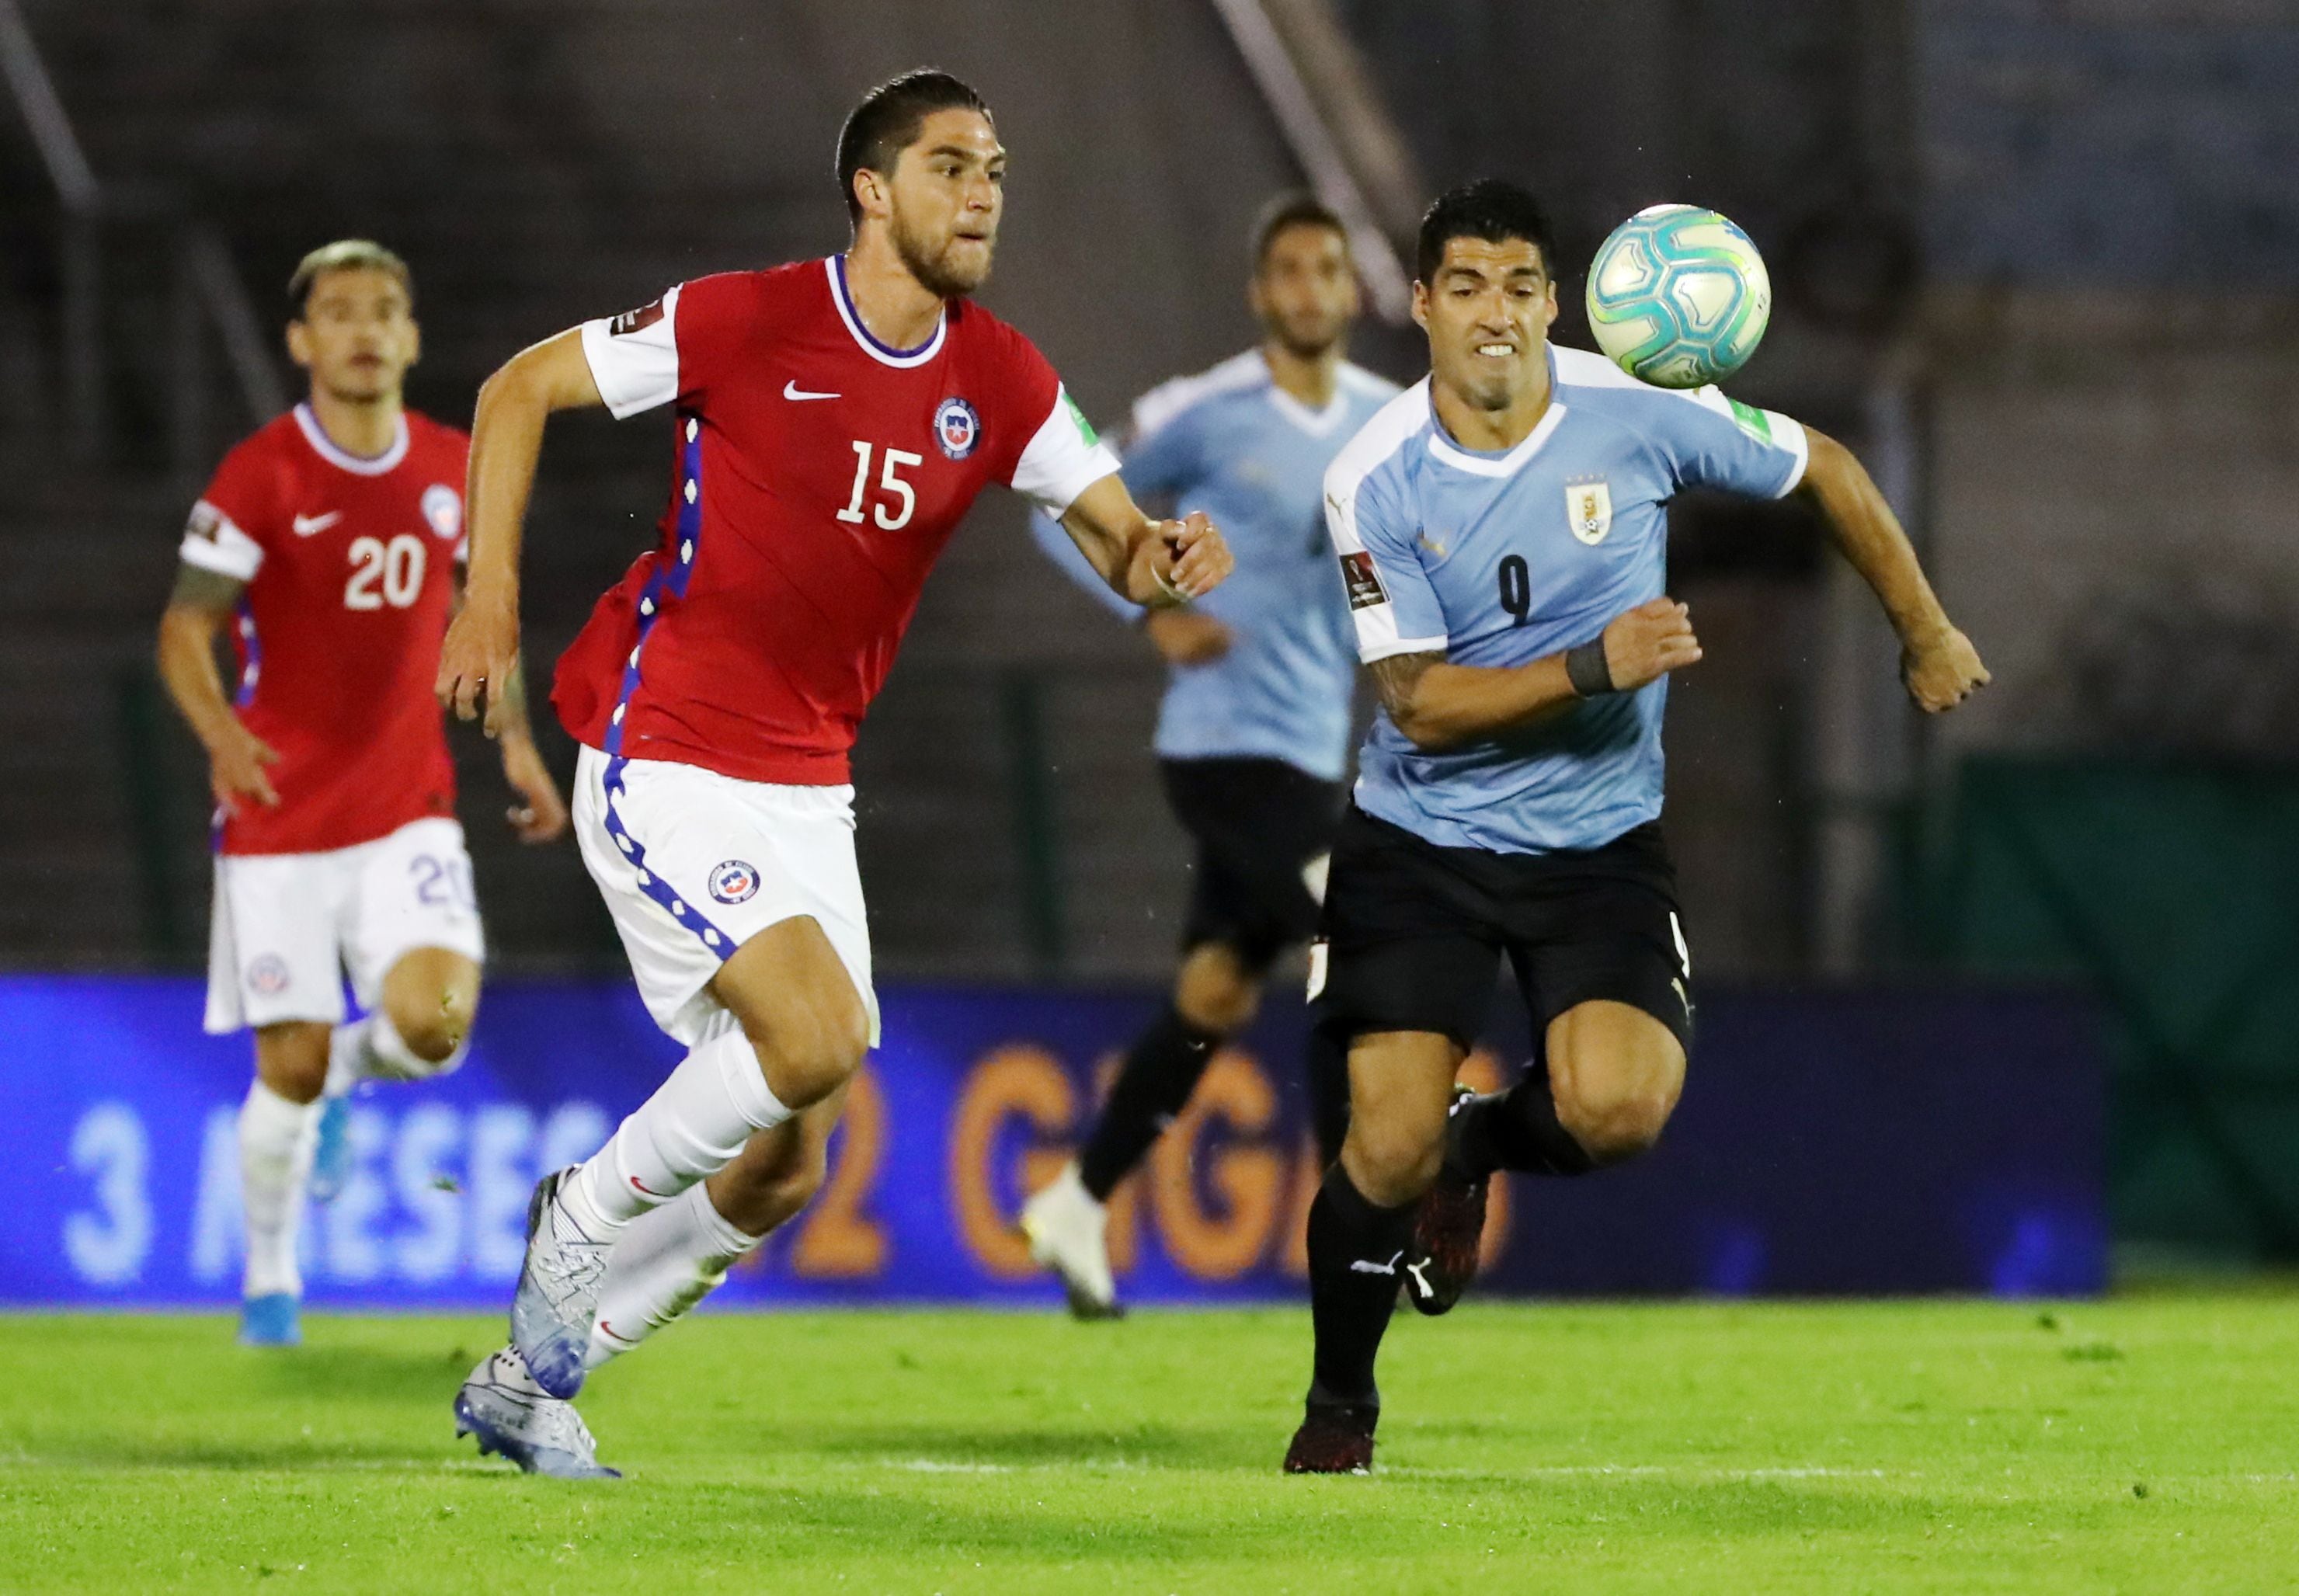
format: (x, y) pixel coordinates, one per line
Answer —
(2174, 892)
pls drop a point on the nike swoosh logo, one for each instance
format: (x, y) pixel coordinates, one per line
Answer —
(634, 1181)
(791, 390)
(305, 525)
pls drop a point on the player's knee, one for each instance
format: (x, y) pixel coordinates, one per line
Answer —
(1616, 1126)
(812, 1050)
(1393, 1161)
(433, 1031)
(292, 1059)
(1216, 993)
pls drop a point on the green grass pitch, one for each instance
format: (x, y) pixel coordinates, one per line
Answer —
(2143, 1445)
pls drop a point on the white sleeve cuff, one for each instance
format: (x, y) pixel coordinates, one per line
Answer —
(1789, 432)
(1063, 460)
(1377, 638)
(213, 542)
(633, 357)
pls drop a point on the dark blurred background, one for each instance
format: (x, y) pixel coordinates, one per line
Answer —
(2038, 260)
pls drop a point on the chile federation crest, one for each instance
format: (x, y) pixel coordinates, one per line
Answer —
(955, 428)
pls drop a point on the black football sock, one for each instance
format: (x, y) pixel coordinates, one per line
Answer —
(1328, 1068)
(1355, 1252)
(1517, 1129)
(1159, 1075)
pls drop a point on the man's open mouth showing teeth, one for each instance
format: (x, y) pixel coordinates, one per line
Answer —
(1497, 349)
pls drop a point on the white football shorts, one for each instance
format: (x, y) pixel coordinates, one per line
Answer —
(693, 864)
(287, 927)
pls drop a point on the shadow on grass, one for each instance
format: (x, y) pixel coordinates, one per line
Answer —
(1020, 1445)
(1086, 1520)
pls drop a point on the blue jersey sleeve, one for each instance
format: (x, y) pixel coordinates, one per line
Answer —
(1161, 459)
(1391, 600)
(1711, 441)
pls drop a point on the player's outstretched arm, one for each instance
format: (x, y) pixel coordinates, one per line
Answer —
(481, 653)
(1938, 662)
(1439, 705)
(1154, 563)
(199, 609)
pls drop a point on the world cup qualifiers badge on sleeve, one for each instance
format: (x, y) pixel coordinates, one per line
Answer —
(957, 428)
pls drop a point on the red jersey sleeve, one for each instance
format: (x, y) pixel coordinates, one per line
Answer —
(1056, 454)
(237, 519)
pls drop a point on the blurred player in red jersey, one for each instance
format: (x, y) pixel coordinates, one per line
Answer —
(833, 420)
(330, 544)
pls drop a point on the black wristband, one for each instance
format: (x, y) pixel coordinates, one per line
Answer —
(1586, 669)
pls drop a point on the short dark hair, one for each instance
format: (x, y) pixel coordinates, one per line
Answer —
(1296, 208)
(1492, 209)
(345, 255)
(887, 122)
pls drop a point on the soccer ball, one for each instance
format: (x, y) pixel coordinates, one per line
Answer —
(1679, 297)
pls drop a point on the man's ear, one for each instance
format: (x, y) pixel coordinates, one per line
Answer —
(870, 189)
(1421, 305)
(299, 343)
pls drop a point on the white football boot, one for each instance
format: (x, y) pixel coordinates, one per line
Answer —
(558, 1295)
(1068, 1234)
(516, 1419)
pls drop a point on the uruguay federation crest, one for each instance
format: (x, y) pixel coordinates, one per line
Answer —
(957, 428)
(1589, 510)
(736, 881)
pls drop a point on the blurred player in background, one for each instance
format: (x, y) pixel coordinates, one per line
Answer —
(329, 545)
(834, 421)
(1502, 530)
(1253, 736)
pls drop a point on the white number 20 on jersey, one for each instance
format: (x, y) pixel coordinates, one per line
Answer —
(892, 483)
(385, 573)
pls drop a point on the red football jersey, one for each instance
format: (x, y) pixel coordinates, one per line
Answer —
(349, 566)
(819, 473)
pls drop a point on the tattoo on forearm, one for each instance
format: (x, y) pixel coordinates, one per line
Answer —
(198, 588)
(1397, 677)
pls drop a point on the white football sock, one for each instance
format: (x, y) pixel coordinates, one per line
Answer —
(371, 1049)
(276, 1139)
(686, 1132)
(669, 1259)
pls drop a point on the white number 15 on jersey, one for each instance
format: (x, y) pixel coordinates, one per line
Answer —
(893, 486)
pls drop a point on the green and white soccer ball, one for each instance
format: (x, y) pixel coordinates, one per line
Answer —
(1679, 297)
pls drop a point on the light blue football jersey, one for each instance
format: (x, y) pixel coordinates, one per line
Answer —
(1499, 559)
(1231, 443)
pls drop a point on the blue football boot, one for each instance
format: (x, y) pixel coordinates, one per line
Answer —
(331, 1159)
(271, 1320)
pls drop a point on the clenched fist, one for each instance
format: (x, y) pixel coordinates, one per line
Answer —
(1942, 670)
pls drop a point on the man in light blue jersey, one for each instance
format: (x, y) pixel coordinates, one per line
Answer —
(1502, 534)
(1253, 736)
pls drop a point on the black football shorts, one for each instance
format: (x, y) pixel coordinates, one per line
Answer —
(1262, 829)
(1412, 933)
